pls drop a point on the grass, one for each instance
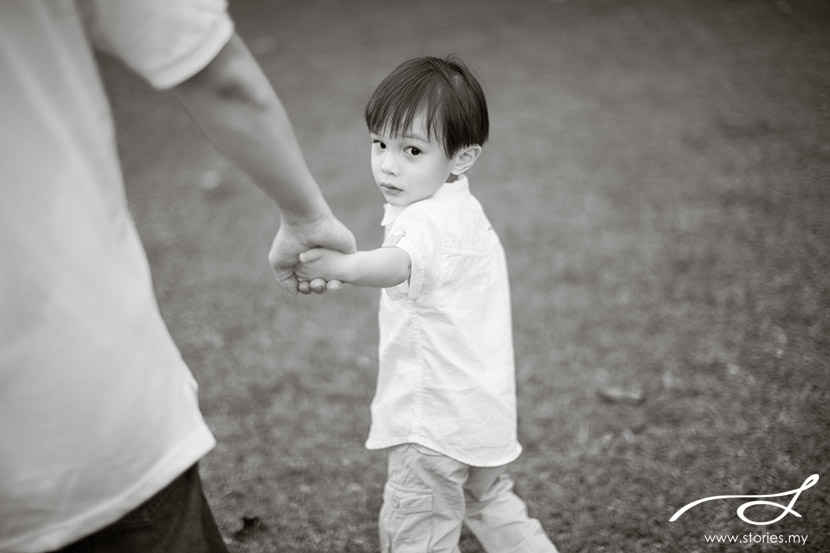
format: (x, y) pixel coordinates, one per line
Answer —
(658, 174)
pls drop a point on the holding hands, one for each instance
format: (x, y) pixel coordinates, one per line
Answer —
(323, 264)
(293, 239)
(379, 268)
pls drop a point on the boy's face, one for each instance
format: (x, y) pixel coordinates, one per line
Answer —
(409, 167)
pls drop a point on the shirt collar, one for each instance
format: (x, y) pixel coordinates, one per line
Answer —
(390, 213)
(461, 185)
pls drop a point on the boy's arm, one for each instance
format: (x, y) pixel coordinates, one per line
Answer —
(380, 268)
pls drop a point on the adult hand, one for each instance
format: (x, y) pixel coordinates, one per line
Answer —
(294, 238)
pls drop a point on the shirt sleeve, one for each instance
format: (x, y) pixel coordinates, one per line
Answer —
(164, 41)
(421, 239)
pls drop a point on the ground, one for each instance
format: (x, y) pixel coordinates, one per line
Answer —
(658, 173)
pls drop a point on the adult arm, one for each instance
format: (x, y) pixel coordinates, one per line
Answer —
(236, 106)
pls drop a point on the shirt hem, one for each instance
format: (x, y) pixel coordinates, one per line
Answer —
(160, 475)
(458, 456)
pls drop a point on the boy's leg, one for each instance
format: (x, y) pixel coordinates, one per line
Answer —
(498, 517)
(423, 502)
(175, 520)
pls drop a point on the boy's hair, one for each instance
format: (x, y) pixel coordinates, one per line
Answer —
(444, 89)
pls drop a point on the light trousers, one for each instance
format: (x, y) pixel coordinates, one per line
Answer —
(428, 496)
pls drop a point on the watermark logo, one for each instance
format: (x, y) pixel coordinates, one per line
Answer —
(759, 500)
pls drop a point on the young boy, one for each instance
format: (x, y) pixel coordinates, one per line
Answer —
(445, 405)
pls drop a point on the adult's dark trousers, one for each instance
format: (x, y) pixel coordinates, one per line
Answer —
(177, 519)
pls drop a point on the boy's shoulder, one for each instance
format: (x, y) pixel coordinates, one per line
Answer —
(439, 206)
(444, 216)
(429, 210)
(435, 214)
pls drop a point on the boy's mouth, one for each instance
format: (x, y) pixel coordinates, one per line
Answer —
(389, 188)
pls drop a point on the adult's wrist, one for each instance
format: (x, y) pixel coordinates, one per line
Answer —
(308, 218)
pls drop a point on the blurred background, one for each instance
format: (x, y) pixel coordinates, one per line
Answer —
(658, 173)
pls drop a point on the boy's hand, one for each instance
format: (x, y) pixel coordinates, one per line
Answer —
(293, 239)
(321, 263)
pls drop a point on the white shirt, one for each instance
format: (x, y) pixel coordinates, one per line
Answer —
(98, 411)
(446, 378)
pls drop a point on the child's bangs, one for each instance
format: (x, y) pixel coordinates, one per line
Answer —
(393, 111)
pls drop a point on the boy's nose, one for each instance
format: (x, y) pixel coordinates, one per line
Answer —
(388, 164)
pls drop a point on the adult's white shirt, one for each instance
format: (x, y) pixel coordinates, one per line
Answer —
(98, 411)
(446, 377)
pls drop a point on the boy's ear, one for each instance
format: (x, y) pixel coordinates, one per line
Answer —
(464, 159)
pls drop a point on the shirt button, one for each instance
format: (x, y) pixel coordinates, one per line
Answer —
(396, 502)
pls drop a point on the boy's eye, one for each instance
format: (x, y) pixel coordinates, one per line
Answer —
(379, 144)
(414, 151)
